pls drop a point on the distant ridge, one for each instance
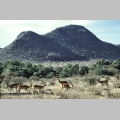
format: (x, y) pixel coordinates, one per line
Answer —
(33, 47)
(71, 42)
(118, 45)
(83, 42)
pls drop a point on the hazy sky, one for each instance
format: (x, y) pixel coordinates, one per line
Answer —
(106, 30)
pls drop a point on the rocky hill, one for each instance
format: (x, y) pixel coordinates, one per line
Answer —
(71, 42)
(83, 42)
(118, 46)
(30, 46)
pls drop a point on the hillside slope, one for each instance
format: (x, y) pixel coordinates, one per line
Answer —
(71, 42)
(83, 42)
(34, 47)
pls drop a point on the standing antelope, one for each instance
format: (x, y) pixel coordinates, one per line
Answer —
(25, 87)
(63, 83)
(67, 86)
(39, 87)
(105, 81)
(12, 86)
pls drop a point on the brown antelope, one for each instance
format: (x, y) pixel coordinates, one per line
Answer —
(67, 86)
(39, 87)
(12, 86)
(105, 81)
(25, 87)
(63, 83)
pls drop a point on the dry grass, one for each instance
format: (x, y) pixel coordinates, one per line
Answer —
(56, 64)
(80, 90)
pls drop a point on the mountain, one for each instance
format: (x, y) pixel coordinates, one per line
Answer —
(30, 46)
(118, 46)
(71, 42)
(83, 42)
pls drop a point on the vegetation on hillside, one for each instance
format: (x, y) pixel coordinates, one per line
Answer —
(27, 70)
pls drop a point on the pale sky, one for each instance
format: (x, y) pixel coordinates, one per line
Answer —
(105, 30)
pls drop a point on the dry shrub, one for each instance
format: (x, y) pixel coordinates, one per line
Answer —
(73, 94)
(51, 82)
(113, 93)
(47, 91)
(80, 89)
(91, 80)
(19, 80)
(34, 78)
(98, 90)
(117, 77)
(116, 84)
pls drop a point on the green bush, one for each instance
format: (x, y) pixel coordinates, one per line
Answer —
(75, 69)
(63, 74)
(117, 61)
(1, 69)
(116, 64)
(46, 70)
(25, 72)
(58, 70)
(83, 70)
(93, 66)
(100, 62)
(102, 71)
(66, 71)
(12, 62)
(108, 62)
(50, 75)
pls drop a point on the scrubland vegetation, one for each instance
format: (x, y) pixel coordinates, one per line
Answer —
(83, 75)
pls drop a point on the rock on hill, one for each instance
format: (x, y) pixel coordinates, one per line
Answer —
(30, 46)
(83, 42)
(71, 42)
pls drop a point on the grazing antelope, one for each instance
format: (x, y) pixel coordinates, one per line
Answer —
(39, 87)
(63, 83)
(25, 87)
(103, 81)
(67, 86)
(12, 86)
